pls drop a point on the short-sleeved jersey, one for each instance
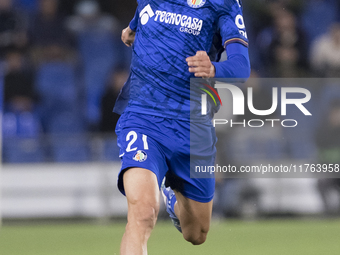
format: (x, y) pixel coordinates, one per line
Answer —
(168, 32)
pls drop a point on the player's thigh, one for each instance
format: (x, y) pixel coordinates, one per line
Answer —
(139, 144)
(197, 150)
(193, 214)
(142, 193)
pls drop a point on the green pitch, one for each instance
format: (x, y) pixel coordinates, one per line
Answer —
(285, 237)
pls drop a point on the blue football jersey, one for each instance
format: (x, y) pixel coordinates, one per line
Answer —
(168, 32)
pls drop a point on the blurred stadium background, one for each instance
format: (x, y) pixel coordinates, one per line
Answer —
(61, 67)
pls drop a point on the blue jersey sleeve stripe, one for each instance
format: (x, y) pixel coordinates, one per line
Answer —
(235, 40)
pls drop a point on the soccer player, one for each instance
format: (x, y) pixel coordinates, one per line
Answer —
(173, 41)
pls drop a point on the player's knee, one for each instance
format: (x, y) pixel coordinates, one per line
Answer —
(147, 217)
(196, 237)
(143, 215)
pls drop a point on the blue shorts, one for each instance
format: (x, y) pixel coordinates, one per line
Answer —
(162, 145)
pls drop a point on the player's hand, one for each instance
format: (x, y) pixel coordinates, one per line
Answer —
(201, 65)
(128, 36)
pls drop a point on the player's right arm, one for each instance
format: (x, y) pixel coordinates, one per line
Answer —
(128, 34)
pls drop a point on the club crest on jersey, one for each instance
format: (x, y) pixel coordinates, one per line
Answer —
(140, 156)
(196, 3)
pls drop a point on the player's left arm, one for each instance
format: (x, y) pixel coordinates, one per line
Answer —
(235, 42)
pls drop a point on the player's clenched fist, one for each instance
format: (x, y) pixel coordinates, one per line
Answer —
(128, 36)
(201, 65)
